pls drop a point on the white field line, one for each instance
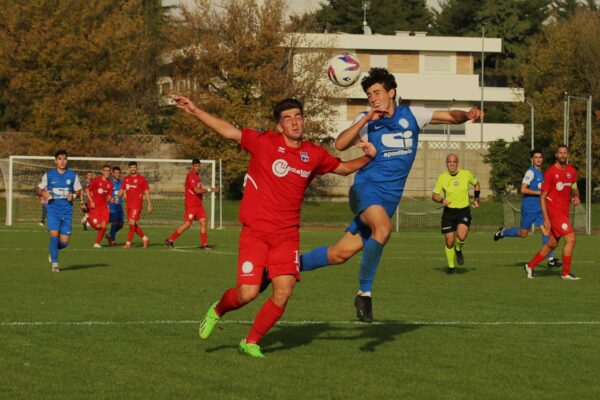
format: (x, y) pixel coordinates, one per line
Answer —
(298, 323)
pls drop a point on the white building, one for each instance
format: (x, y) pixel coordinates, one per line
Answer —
(431, 71)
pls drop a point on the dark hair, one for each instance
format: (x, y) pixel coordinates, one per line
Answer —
(562, 146)
(535, 151)
(132, 163)
(379, 75)
(284, 105)
(116, 169)
(106, 166)
(61, 152)
(195, 161)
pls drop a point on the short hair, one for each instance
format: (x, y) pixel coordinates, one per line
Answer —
(284, 105)
(195, 161)
(61, 152)
(379, 75)
(560, 146)
(106, 166)
(535, 151)
(116, 169)
(132, 163)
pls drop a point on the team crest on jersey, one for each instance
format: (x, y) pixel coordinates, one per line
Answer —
(69, 181)
(304, 156)
(135, 181)
(568, 176)
(456, 183)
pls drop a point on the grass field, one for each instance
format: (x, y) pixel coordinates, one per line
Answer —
(122, 324)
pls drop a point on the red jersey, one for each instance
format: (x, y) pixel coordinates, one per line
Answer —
(558, 183)
(192, 199)
(134, 187)
(101, 191)
(276, 179)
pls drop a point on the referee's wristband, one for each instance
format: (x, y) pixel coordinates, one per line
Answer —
(476, 196)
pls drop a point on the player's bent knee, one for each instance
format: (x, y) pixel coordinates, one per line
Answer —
(247, 293)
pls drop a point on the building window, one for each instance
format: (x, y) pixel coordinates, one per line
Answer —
(438, 63)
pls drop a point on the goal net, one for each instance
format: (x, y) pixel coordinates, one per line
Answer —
(166, 179)
(415, 212)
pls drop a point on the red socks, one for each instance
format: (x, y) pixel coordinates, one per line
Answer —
(265, 319)
(566, 267)
(173, 236)
(100, 235)
(203, 239)
(139, 230)
(536, 260)
(228, 302)
(131, 233)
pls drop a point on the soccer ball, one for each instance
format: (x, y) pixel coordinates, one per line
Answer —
(343, 69)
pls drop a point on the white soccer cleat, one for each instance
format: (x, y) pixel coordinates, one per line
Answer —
(145, 241)
(97, 246)
(570, 277)
(529, 272)
(55, 267)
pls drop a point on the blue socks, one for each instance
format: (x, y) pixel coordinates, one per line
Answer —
(114, 228)
(314, 259)
(62, 245)
(53, 247)
(512, 232)
(368, 265)
(544, 241)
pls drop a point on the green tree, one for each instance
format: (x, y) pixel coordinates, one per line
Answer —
(383, 16)
(564, 58)
(79, 71)
(237, 62)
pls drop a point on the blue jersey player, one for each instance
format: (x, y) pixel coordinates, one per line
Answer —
(115, 207)
(59, 186)
(531, 210)
(378, 187)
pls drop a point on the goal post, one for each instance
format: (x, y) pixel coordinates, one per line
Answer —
(166, 178)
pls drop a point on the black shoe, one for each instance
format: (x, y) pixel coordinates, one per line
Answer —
(499, 234)
(364, 308)
(554, 263)
(460, 259)
(450, 271)
(170, 244)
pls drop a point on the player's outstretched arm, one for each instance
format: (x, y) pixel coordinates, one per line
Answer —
(348, 167)
(222, 127)
(456, 116)
(349, 136)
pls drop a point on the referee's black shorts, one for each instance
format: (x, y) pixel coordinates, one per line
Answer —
(452, 217)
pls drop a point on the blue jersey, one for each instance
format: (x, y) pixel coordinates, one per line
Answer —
(534, 179)
(396, 140)
(113, 207)
(59, 186)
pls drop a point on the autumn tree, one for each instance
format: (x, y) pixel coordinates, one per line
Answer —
(79, 72)
(237, 62)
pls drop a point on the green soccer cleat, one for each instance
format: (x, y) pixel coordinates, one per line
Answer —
(210, 320)
(251, 349)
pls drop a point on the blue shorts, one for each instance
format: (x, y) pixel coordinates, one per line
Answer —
(361, 198)
(116, 215)
(531, 218)
(60, 223)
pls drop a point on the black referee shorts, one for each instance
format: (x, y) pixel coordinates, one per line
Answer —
(452, 217)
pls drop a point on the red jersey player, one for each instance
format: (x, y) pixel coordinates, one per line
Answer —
(281, 167)
(194, 209)
(134, 188)
(559, 190)
(99, 193)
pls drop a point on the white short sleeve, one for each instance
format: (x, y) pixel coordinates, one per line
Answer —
(528, 177)
(422, 115)
(44, 182)
(364, 131)
(77, 183)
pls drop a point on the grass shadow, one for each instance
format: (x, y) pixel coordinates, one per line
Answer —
(82, 266)
(457, 270)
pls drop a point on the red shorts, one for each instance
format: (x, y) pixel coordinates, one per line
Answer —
(194, 213)
(134, 213)
(98, 215)
(560, 226)
(277, 252)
